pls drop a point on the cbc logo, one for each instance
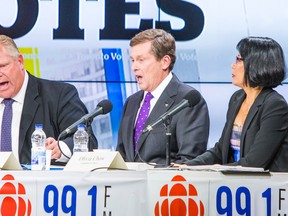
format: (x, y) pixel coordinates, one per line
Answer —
(179, 199)
(13, 199)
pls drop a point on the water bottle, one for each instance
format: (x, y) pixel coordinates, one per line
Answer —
(38, 150)
(80, 139)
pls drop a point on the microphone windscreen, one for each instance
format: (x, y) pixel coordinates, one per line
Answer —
(106, 106)
(193, 97)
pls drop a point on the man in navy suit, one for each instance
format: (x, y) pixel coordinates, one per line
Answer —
(153, 57)
(56, 105)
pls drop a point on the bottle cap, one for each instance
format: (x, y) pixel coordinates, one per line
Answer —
(38, 126)
(81, 126)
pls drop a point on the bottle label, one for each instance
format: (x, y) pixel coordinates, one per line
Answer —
(38, 159)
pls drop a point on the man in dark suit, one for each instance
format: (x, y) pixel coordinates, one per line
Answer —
(54, 104)
(153, 57)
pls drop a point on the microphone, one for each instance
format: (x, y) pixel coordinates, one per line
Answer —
(103, 107)
(190, 99)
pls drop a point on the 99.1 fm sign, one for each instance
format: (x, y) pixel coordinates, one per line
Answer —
(114, 19)
(198, 196)
(15, 199)
(71, 193)
(249, 197)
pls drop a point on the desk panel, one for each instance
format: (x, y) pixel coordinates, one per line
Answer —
(152, 192)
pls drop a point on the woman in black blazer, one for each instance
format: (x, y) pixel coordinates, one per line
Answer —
(255, 132)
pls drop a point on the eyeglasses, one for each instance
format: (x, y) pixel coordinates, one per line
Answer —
(239, 59)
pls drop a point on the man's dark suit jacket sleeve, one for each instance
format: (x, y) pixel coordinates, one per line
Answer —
(71, 107)
(56, 105)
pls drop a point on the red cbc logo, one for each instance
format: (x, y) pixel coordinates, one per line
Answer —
(13, 199)
(179, 199)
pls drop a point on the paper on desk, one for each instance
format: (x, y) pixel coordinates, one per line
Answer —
(223, 168)
(138, 166)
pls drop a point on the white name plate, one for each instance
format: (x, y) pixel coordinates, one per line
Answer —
(96, 160)
(8, 161)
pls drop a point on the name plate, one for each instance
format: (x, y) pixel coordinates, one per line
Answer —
(96, 160)
(8, 161)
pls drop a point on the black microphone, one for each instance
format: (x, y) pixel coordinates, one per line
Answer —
(190, 99)
(103, 107)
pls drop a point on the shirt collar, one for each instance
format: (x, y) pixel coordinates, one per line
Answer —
(158, 91)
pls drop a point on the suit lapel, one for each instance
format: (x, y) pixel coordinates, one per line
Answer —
(252, 112)
(163, 105)
(135, 104)
(29, 109)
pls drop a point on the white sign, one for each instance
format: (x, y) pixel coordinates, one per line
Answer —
(9, 162)
(90, 161)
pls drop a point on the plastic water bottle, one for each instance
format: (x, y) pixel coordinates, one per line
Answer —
(80, 139)
(38, 150)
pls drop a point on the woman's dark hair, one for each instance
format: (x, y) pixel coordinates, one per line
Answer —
(264, 61)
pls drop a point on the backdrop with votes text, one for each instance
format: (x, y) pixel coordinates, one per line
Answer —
(86, 43)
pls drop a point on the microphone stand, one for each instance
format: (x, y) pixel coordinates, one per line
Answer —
(88, 125)
(167, 125)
